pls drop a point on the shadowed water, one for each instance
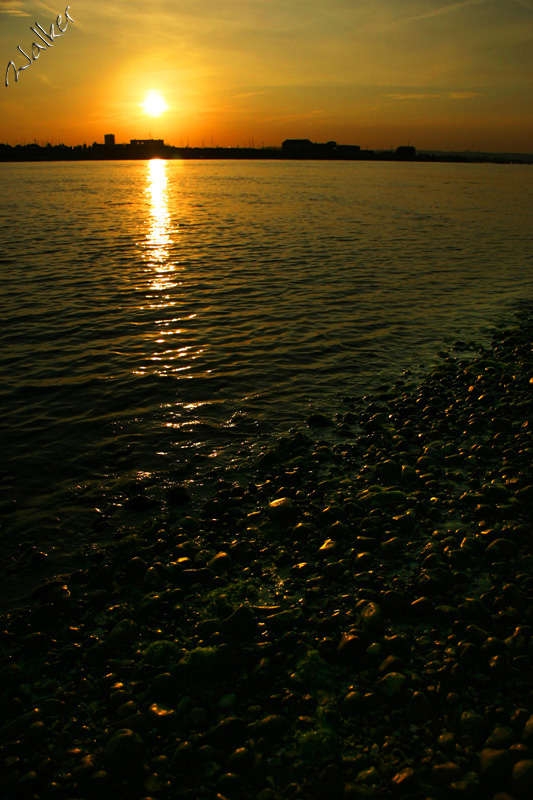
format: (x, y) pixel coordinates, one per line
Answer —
(161, 319)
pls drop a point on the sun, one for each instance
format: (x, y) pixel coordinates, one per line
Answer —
(153, 104)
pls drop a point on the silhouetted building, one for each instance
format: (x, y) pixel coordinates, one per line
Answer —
(304, 148)
(297, 145)
(147, 142)
(406, 151)
(348, 150)
(109, 140)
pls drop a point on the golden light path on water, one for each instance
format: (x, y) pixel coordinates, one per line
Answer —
(159, 239)
(162, 270)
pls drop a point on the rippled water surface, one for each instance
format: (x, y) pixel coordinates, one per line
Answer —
(162, 319)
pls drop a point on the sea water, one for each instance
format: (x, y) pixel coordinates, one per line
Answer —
(162, 321)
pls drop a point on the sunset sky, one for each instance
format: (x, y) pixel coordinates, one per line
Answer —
(432, 73)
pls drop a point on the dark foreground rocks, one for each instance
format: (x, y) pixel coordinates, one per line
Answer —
(354, 623)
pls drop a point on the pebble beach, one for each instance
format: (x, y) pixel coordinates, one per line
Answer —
(352, 622)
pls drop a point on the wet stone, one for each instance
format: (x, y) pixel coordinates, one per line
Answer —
(220, 563)
(446, 741)
(282, 511)
(473, 725)
(162, 716)
(525, 495)
(422, 607)
(97, 785)
(164, 687)
(500, 548)
(185, 756)
(350, 650)
(240, 761)
(392, 684)
(178, 495)
(161, 653)
(271, 727)
(318, 420)
(392, 663)
(123, 633)
(500, 739)
(227, 702)
(407, 474)
(126, 709)
(369, 776)
(241, 623)
(444, 774)
(387, 471)
(404, 780)
(495, 766)
(202, 576)
(284, 621)
(469, 788)
(230, 784)
(371, 619)
(419, 707)
(352, 704)
(527, 733)
(123, 751)
(229, 731)
(522, 780)
(392, 547)
(140, 503)
(153, 580)
(34, 643)
(329, 547)
(205, 665)
(329, 784)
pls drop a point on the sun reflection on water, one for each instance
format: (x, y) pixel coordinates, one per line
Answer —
(159, 239)
(169, 356)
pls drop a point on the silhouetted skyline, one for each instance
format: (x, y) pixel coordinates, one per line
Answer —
(291, 149)
(451, 75)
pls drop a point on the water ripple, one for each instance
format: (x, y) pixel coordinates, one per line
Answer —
(157, 316)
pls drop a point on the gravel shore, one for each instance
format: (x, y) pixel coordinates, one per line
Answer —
(354, 623)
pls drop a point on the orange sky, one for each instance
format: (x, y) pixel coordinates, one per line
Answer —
(436, 74)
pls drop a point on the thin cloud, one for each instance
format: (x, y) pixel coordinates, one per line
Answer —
(433, 96)
(46, 80)
(449, 9)
(463, 95)
(247, 94)
(12, 8)
(294, 117)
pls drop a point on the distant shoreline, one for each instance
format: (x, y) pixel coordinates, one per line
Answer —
(99, 152)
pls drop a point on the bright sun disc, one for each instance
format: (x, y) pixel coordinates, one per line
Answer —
(153, 104)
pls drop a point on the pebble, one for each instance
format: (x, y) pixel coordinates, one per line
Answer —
(522, 779)
(527, 733)
(123, 751)
(123, 633)
(354, 622)
(392, 684)
(495, 766)
(282, 511)
(446, 773)
(371, 619)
